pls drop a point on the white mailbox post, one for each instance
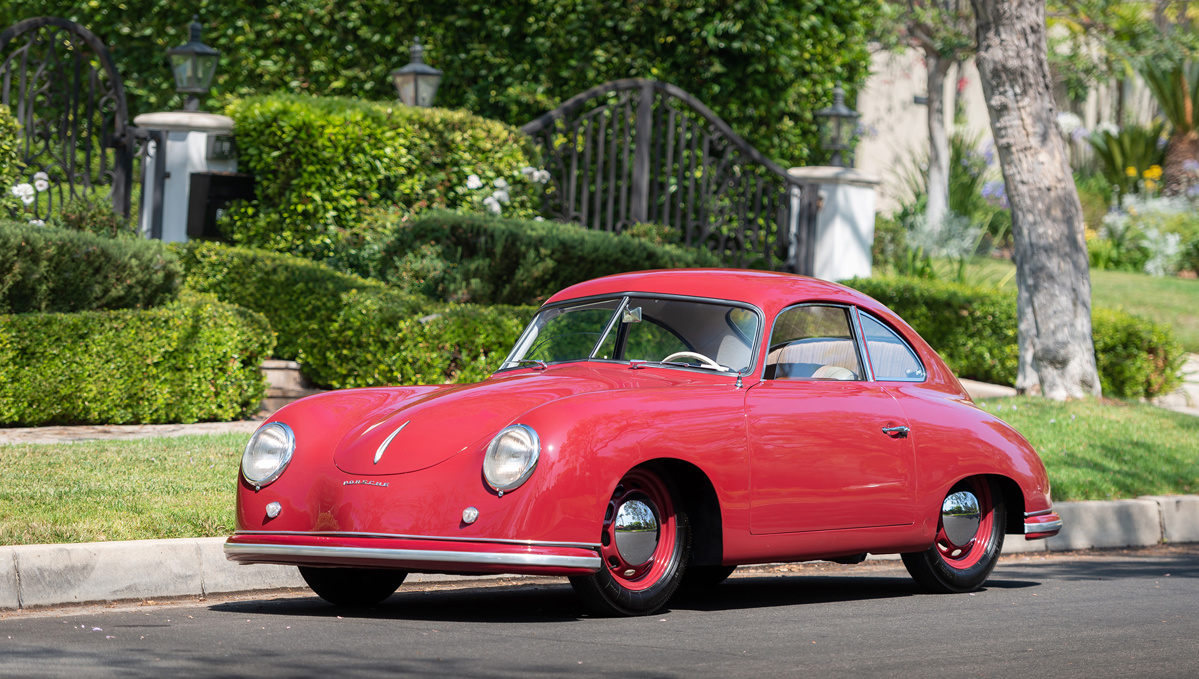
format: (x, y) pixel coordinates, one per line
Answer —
(195, 142)
(845, 223)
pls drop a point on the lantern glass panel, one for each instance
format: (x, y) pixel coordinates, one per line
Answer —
(193, 72)
(416, 89)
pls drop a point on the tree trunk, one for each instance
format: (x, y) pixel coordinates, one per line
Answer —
(1176, 178)
(937, 185)
(1054, 285)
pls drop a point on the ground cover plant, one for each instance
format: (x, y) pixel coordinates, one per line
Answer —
(183, 487)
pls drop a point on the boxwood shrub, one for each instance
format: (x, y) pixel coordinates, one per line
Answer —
(974, 330)
(58, 270)
(348, 331)
(196, 359)
(489, 260)
(10, 162)
(319, 162)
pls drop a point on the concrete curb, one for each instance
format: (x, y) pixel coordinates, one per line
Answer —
(48, 575)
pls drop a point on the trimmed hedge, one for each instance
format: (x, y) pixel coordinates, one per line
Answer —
(193, 360)
(319, 162)
(48, 269)
(475, 258)
(10, 162)
(974, 330)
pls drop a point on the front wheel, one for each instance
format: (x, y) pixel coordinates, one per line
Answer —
(353, 587)
(645, 546)
(970, 532)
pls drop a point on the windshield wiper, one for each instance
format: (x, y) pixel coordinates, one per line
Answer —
(637, 363)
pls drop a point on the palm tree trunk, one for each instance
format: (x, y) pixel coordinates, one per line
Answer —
(1176, 177)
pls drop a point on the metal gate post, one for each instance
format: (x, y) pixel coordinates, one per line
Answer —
(641, 153)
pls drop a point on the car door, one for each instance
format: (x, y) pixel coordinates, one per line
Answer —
(828, 446)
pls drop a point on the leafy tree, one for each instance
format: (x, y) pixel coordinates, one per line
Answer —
(762, 65)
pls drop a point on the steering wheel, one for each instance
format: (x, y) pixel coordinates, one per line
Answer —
(699, 357)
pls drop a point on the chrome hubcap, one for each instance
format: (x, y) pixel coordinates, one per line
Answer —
(636, 532)
(960, 515)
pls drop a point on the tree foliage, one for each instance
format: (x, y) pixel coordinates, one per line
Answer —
(763, 65)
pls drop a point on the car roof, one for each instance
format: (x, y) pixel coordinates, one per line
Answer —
(767, 290)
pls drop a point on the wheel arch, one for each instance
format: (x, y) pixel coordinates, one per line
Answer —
(1013, 500)
(702, 506)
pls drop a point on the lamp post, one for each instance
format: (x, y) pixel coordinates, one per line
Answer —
(837, 125)
(416, 83)
(193, 64)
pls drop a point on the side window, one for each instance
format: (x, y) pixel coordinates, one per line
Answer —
(813, 342)
(891, 357)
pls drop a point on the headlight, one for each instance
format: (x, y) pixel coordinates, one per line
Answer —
(267, 453)
(511, 457)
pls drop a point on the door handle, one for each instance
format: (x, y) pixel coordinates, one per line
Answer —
(900, 432)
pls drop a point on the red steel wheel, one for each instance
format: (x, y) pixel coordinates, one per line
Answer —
(644, 545)
(970, 529)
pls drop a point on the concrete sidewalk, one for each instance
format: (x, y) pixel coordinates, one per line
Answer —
(48, 575)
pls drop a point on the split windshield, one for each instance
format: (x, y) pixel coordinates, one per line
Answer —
(679, 333)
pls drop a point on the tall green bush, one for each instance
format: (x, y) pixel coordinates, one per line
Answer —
(974, 330)
(49, 269)
(196, 359)
(10, 159)
(319, 162)
(763, 65)
(475, 258)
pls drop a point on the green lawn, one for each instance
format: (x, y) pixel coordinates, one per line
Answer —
(1171, 300)
(183, 487)
(1106, 450)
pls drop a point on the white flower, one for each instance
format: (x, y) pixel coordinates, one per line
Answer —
(527, 171)
(501, 183)
(541, 176)
(1068, 122)
(24, 192)
(501, 196)
(492, 205)
(36, 222)
(41, 184)
(539, 218)
(41, 175)
(473, 182)
(1110, 128)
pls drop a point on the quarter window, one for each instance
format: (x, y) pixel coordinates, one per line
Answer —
(813, 342)
(890, 357)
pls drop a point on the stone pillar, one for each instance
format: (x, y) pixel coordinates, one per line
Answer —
(193, 145)
(845, 224)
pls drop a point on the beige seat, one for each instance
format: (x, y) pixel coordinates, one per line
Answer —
(804, 358)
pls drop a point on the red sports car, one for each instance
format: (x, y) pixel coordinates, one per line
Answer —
(650, 431)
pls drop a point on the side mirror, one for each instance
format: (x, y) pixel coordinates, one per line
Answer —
(631, 316)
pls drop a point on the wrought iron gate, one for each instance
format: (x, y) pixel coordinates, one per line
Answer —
(64, 90)
(649, 152)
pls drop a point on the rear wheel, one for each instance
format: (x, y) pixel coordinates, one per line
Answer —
(645, 545)
(353, 587)
(970, 531)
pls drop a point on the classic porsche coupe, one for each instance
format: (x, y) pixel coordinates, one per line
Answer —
(651, 431)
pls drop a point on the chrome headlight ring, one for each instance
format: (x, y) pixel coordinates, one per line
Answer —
(267, 454)
(511, 457)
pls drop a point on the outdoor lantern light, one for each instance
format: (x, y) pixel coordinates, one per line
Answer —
(837, 125)
(417, 82)
(194, 64)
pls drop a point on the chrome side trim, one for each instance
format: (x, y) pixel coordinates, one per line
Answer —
(353, 534)
(1038, 513)
(415, 555)
(1047, 527)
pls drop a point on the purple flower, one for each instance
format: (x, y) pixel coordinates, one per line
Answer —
(995, 193)
(1190, 165)
(1161, 142)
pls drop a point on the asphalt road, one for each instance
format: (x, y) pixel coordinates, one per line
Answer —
(1104, 614)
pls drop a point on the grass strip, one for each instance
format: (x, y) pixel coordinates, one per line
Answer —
(184, 487)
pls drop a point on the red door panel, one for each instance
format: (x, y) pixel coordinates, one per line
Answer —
(819, 459)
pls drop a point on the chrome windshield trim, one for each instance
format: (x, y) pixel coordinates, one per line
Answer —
(397, 536)
(266, 552)
(1041, 512)
(1047, 527)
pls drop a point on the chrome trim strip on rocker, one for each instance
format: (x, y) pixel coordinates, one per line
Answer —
(1047, 527)
(1043, 511)
(396, 536)
(416, 555)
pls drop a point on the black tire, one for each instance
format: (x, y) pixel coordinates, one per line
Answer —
(620, 588)
(353, 587)
(699, 579)
(947, 568)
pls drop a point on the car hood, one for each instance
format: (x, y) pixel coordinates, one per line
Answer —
(422, 431)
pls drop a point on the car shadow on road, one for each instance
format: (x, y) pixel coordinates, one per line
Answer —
(549, 603)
